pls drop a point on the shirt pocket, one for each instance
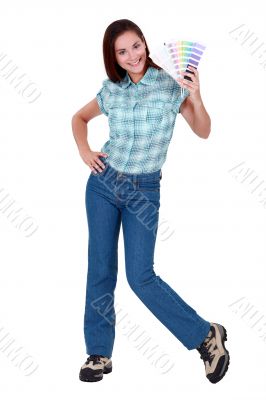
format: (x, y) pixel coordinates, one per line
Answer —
(120, 119)
(154, 113)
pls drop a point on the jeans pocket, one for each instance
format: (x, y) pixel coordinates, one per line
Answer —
(149, 185)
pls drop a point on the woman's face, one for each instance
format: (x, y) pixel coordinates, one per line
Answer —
(129, 49)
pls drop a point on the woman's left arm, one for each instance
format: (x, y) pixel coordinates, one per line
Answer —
(192, 108)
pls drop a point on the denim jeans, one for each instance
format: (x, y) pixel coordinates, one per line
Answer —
(113, 198)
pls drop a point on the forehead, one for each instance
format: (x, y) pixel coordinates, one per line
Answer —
(126, 39)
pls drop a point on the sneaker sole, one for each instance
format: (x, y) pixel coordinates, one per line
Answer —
(96, 378)
(226, 361)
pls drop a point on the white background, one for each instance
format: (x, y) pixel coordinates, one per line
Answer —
(216, 255)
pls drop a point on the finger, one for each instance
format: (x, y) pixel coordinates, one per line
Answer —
(95, 171)
(189, 75)
(190, 83)
(184, 86)
(194, 70)
(192, 75)
(99, 165)
(187, 84)
(93, 167)
(181, 81)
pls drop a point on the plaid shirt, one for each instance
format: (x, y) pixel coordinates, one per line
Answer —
(141, 119)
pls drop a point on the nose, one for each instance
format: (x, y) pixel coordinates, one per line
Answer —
(132, 57)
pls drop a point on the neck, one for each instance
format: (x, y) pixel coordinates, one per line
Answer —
(137, 77)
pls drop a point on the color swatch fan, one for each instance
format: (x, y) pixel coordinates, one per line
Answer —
(176, 55)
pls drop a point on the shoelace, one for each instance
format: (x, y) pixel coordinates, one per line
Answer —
(205, 354)
(94, 358)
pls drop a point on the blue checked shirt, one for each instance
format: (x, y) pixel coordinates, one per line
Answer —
(141, 119)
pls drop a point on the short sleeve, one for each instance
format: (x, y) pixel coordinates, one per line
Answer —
(103, 98)
(177, 98)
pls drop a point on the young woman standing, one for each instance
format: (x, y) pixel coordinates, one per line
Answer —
(141, 102)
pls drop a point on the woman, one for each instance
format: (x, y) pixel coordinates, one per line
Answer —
(141, 101)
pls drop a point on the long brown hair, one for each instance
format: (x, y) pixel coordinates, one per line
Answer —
(116, 28)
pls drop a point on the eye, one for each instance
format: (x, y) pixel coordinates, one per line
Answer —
(122, 52)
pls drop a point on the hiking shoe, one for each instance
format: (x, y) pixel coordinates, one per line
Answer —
(214, 354)
(94, 368)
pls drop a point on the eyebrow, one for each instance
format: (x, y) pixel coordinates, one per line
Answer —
(132, 46)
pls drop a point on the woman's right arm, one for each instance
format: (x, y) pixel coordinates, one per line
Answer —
(80, 131)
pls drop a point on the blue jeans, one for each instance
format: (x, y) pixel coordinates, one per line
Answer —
(113, 197)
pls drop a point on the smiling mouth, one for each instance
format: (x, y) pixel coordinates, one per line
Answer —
(136, 64)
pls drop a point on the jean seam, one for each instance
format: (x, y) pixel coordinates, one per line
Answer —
(165, 289)
(157, 279)
(200, 328)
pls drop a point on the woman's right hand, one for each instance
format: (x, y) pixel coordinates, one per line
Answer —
(91, 158)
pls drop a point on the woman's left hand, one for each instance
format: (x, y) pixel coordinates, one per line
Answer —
(194, 86)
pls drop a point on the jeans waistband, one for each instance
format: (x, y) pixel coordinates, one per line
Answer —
(132, 177)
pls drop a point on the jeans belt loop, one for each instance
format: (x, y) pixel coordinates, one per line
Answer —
(135, 182)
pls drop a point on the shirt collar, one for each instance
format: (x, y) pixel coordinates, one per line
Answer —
(148, 78)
